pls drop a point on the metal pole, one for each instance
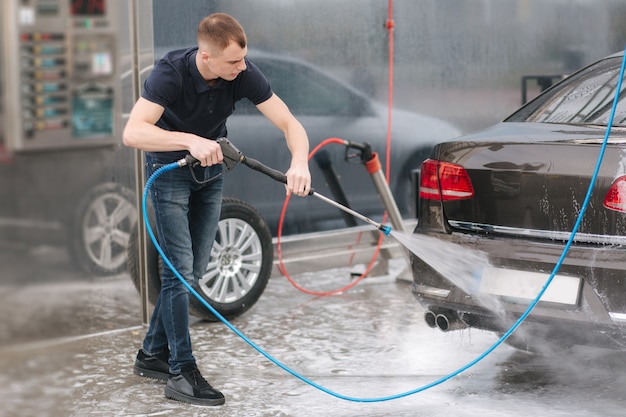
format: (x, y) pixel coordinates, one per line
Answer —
(9, 65)
(380, 183)
(395, 217)
(139, 172)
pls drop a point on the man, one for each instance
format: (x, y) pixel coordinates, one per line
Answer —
(183, 109)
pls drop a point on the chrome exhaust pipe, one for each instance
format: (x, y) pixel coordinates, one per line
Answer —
(431, 319)
(449, 321)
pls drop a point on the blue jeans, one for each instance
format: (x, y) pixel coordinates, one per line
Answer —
(187, 215)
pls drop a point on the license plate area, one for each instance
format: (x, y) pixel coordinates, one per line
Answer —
(522, 287)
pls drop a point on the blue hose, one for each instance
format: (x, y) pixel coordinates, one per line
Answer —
(439, 381)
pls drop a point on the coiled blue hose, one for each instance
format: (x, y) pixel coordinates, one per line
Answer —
(439, 381)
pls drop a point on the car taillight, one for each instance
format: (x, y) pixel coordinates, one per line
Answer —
(429, 183)
(615, 198)
(444, 181)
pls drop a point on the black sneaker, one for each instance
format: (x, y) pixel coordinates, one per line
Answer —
(154, 366)
(190, 387)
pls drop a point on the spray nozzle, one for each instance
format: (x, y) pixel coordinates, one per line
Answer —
(385, 229)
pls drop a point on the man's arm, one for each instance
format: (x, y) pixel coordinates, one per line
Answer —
(141, 132)
(298, 175)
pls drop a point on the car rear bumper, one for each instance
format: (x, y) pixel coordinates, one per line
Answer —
(586, 298)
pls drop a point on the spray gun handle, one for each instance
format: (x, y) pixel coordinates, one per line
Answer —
(274, 174)
(231, 154)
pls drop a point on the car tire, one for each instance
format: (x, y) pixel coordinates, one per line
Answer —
(100, 229)
(239, 268)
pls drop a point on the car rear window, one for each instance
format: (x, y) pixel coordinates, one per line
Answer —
(584, 98)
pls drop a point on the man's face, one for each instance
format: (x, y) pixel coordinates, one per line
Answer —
(226, 64)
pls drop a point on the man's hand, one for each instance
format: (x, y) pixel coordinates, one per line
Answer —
(298, 179)
(208, 152)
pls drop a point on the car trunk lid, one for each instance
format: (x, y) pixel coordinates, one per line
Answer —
(535, 186)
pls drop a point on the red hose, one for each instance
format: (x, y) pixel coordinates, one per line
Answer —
(389, 26)
(281, 265)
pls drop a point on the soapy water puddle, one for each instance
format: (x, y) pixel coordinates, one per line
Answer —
(460, 265)
(367, 343)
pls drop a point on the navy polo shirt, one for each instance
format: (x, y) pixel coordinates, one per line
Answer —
(193, 106)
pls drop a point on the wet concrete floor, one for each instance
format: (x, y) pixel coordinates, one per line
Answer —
(370, 342)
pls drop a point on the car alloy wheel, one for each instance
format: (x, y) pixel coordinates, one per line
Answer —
(239, 268)
(101, 229)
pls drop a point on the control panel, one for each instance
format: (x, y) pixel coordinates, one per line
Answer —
(60, 73)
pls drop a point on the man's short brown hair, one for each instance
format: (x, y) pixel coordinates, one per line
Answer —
(217, 30)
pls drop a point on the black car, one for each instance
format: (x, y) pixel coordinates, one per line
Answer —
(512, 194)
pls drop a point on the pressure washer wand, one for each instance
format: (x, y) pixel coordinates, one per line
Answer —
(233, 156)
(383, 228)
(281, 177)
